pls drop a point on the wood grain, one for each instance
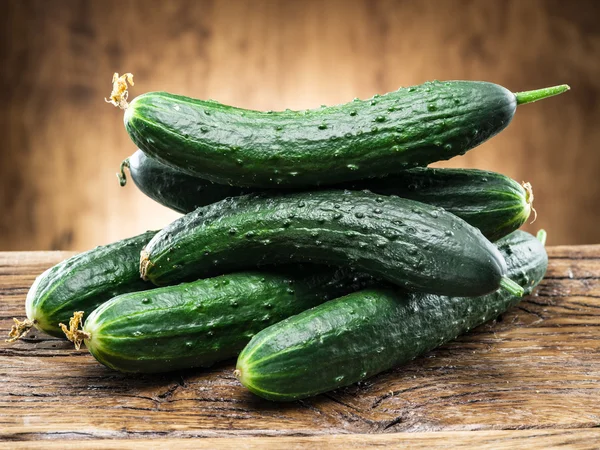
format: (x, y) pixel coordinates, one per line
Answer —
(62, 144)
(536, 368)
(484, 440)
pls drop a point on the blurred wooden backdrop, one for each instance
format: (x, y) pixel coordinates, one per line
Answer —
(61, 144)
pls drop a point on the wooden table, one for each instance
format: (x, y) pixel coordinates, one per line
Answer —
(530, 379)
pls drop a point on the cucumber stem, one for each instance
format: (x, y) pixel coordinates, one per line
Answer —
(511, 286)
(121, 176)
(19, 329)
(541, 236)
(73, 333)
(539, 94)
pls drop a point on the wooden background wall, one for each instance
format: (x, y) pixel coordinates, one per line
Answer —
(61, 144)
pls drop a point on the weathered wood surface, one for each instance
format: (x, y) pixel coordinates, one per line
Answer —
(533, 377)
(480, 440)
(61, 144)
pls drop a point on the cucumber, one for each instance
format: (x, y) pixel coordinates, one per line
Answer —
(171, 187)
(83, 282)
(200, 323)
(414, 245)
(495, 204)
(364, 333)
(492, 202)
(386, 134)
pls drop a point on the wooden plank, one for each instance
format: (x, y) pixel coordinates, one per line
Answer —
(536, 367)
(580, 439)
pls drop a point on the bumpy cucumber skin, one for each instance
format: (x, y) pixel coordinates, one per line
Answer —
(495, 204)
(175, 189)
(492, 202)
(200, 323)
(364, 333)
(386, 134)
(414, 245)
(84, 281)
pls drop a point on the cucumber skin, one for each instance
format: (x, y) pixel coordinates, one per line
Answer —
(492, 202)
(386, 134)
(408, 243)
(85, 281)
(495, 204)
(200, 323)
(367, 332)
(175, 189)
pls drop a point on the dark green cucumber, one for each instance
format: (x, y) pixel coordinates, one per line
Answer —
(171, 187)
(414, 245)
(495, 204)
(200, 323)
(386, 134)
(492, 202)
(85, 281)
(357, 336)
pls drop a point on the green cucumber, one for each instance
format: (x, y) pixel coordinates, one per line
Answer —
(492, 202)
(83, 282)
(386, 134)
(414, 245)
(199, 323)
(171, 187)
(357, 336)
(495, 204)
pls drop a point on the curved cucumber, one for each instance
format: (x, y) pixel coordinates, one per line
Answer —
(85, 281)
(364, 333)
(495, 204)
(171, 187)
(414, 245)
(492, 202)
(200, 323)
(386, 134)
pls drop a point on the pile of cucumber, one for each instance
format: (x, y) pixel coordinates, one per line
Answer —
(315, 246)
